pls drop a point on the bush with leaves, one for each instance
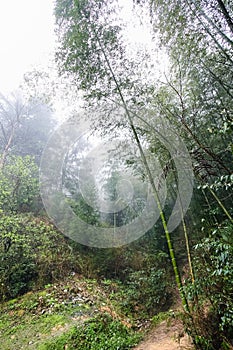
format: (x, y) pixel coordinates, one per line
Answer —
(32, 254)
(212, 325)
(147, 292)
(19, 185)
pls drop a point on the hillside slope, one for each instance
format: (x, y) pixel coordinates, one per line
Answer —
(38, 318)
(75, 313)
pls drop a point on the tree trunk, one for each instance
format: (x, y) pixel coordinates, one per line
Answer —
(226, 14)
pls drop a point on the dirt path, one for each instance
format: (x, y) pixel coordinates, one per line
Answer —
(166, 337)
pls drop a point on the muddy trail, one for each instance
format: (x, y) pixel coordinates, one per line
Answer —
(166, 336)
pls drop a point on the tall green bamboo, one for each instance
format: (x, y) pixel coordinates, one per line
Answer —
(150, 178)
(220, 204)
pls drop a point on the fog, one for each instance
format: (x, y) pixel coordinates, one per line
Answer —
(26, 39)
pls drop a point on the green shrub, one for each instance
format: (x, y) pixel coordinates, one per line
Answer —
(147, 291)
(32, 254)
(19, 185)
(211, 295)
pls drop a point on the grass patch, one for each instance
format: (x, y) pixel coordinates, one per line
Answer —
(99, 333)
(17, 335)
(163, 316)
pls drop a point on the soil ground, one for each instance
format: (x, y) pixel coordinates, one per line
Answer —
(166, 337)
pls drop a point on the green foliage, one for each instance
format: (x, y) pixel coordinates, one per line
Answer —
(18, 267)
(144, 288)
(84, 211)
(99, 333)
(147, 291)
(32, 253)
(163, 316)
(212, 312)
(80, 53)
(19, 185)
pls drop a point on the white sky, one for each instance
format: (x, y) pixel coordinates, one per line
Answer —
(26, 38)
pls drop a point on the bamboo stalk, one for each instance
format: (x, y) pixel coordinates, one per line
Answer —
(150, 177)
(220, 204)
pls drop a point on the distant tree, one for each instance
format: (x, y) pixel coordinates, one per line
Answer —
(24, 126)
(19, 185)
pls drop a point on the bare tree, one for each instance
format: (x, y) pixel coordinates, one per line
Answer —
(12, 112)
